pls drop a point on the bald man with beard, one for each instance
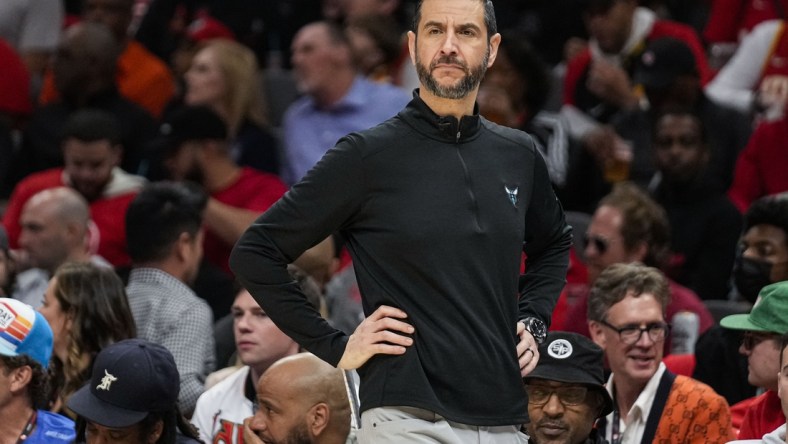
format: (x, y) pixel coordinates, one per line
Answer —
(302, 400)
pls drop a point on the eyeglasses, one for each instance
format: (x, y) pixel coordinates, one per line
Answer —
(631, 334)
(570, 395)
(600, 243)
(751, 339)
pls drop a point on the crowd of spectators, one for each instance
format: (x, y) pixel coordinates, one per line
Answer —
(139, 139)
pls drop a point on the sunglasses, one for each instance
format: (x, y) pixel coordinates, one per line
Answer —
(751, 339)
(600, 243)
(570, 395)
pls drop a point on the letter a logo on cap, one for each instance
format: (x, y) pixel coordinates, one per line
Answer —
(106, 381)
(560, 349)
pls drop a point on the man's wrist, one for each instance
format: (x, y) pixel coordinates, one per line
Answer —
(536, 327)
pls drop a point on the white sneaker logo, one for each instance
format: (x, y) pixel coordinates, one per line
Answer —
(106, 381)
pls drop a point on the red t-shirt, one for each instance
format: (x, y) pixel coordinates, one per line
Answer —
(254, 191)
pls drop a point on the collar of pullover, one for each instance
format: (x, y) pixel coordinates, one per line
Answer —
(444, 128)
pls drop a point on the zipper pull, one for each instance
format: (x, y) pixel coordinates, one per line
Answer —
(458, 137)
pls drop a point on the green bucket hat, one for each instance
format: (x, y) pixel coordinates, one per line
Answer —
(769, 314)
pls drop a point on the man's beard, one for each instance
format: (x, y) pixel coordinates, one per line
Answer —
(459, 90)
(298, 435)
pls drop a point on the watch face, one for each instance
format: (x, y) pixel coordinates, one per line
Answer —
(537, 329)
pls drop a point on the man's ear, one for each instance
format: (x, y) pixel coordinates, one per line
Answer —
(318, 418)
(155, 434)
(117, 154)
(495, 42)
(597, 335)
(20, 378)
(412, 47)
(183, 246)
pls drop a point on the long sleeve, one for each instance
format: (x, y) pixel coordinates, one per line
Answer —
(307, 214)
(546, 247)
(191, 344)
(736, 83)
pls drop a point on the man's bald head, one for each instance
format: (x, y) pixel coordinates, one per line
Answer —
(307, 391)
(54, 227)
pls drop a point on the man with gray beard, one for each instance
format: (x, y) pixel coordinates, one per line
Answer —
(437, 206)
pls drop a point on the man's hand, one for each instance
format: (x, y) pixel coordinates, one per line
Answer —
(250, 437)
(611, 83)
(380, 333)
(527, 350)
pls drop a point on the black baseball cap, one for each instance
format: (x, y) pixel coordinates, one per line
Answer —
(192, 123)
(662, 61)
(130, 379)
(574, 359)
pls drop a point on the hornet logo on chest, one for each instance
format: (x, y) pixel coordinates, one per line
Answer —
(512, 193)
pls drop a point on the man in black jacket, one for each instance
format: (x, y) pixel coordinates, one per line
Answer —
(437, 206)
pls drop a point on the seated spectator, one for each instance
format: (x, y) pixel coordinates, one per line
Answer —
(84, 72)
(704, 223)
(778, 436)
(55, 229)
(762, 329)
(259, 343)
(571, 367)
(86, 307)
(165, 235)
(761, 259)
(198, 151)
(628, 226)
(598, 81)
(312, 393)
(337, 100)
(669, 78)
(25, 348)
(141, 77)
(224, 77)
(91, 151)
(132, 397)
(626, 318)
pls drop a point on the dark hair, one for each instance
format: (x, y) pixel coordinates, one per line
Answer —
(768, 210)
(38, 387)
(489, 18)
(644, 221)
(96, 299)
(531, 69)
(335, 32)
(158, 215)
(91, 125)
(383, 31)
(618, 280)
(173, 421)
(681, 111)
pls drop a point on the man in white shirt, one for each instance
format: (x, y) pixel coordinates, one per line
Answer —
(221, 410)
(626, 318)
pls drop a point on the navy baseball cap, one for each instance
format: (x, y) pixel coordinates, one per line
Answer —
(662, 61)
(574, 359)
(131, 379)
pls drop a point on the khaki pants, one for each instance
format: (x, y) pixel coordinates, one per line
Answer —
(395, 425)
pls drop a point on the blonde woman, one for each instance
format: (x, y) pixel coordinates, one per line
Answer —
(224, 76)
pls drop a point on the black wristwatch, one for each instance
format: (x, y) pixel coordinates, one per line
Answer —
(537, 329)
